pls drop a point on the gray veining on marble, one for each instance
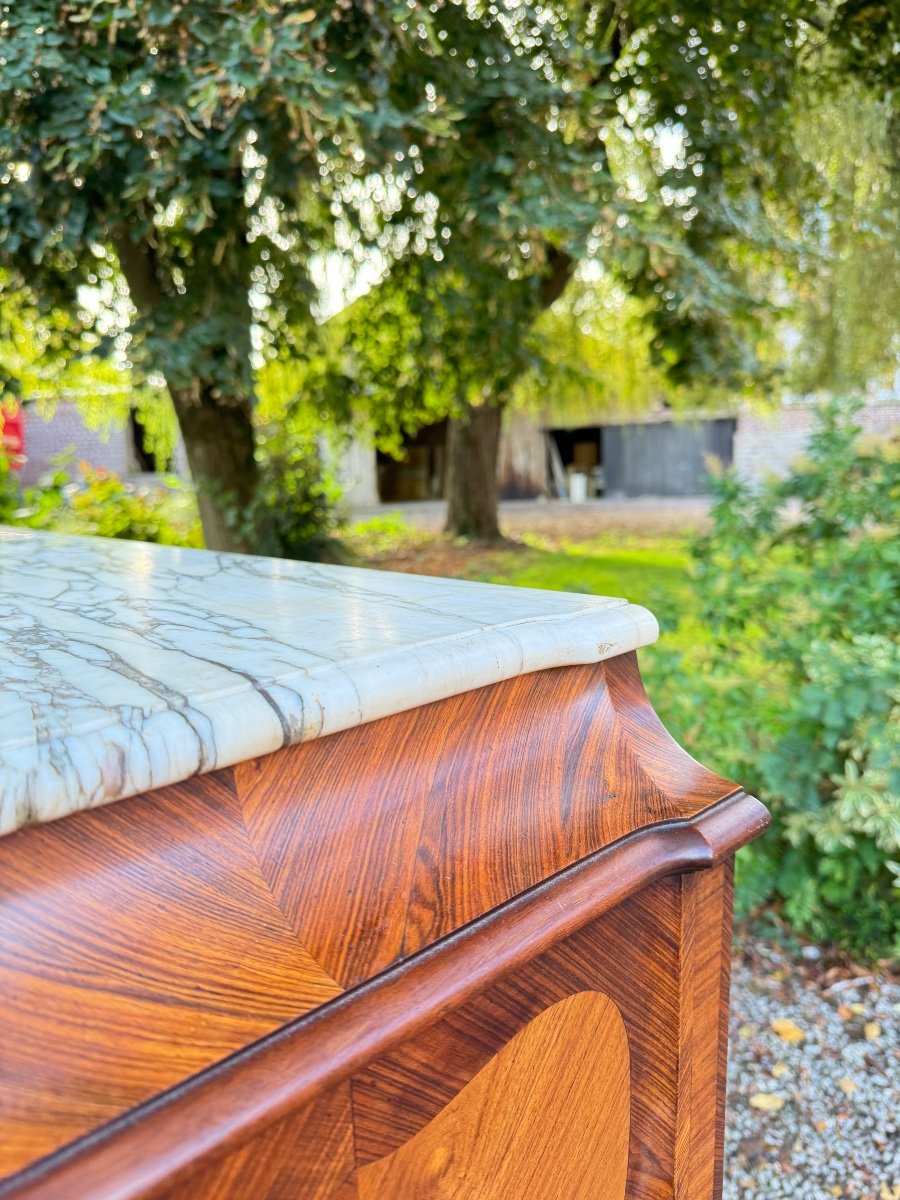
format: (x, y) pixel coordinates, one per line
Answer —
(126, 666)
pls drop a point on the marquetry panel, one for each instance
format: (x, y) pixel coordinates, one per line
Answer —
(403, 1091)
(307, 1156)
(139, 945)
(703, 1032)
(149, 940)
(547, 1117)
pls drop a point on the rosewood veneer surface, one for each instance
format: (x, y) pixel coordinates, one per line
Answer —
(470, 943)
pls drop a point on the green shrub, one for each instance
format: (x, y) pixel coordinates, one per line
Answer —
(298, 494)
(796, 690)
(94, 501)
(9, 490)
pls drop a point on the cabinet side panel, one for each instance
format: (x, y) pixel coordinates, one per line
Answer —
(630, 955)
(307, 1156)
(138, 946)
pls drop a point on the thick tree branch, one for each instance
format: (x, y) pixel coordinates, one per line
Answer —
(560, 268)
(136, 260)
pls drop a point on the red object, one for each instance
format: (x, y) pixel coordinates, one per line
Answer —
(12, 435)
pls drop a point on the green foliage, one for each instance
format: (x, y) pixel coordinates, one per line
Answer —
(688, 188)
(630, 137)
(850, 250)
(93, 501)
(186, 144)
(9, 489)
(45, 358)
(386, 534)
(594, 353)
(796, 692)
(173, 175)
(298, 496)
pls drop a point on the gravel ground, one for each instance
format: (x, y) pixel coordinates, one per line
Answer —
(814, 1081)
(559, 518)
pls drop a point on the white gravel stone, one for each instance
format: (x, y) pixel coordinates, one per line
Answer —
(839, 1127)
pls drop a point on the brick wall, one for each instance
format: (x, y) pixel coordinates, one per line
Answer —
(767, 444)
(66, 430)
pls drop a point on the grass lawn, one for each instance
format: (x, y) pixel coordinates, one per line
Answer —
(603, 567)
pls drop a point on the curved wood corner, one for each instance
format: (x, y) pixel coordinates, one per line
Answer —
(447, 811)
(195, 940)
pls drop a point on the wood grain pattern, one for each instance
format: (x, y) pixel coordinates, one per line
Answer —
(703, 1039)
(202, 968)
(406, 829)
(139, 946)
(547, 1117)
(224, 1106)
(404, 1090)
(308, 1155)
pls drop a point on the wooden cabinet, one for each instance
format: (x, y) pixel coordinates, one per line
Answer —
(473, 950)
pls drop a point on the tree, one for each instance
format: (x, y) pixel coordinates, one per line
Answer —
(850, 246)
(196, 148)
(658, 146)
(45, 358)
(211, 153)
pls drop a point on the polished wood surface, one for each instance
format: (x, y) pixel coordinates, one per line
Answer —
(705, 940)
(406, 829)
(403, 1091)
(227, 975)
(548, 1116)
(307, 1155)
(138, 945)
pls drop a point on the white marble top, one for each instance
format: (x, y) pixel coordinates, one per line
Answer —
(126, 666)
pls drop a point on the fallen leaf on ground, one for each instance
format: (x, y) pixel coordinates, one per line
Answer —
(847, 1085)
(872, 1030)
(767, 1101)
(780, 1070)
(788, 1030)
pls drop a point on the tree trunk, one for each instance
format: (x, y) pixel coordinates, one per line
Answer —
(473, 441)
(217, 430)
(218, 438)
(472, 445)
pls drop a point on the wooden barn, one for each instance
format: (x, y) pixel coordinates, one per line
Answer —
(657, 454)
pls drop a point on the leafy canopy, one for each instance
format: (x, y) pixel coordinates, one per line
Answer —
(231, 142)
(473, 154)
(189, 141)
(656, 151)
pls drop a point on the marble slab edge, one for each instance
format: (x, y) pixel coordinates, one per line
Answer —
(136, 752)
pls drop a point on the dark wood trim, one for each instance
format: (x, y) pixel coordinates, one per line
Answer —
(136, 1156)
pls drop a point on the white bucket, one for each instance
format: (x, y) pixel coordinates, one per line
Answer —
(578, 487)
